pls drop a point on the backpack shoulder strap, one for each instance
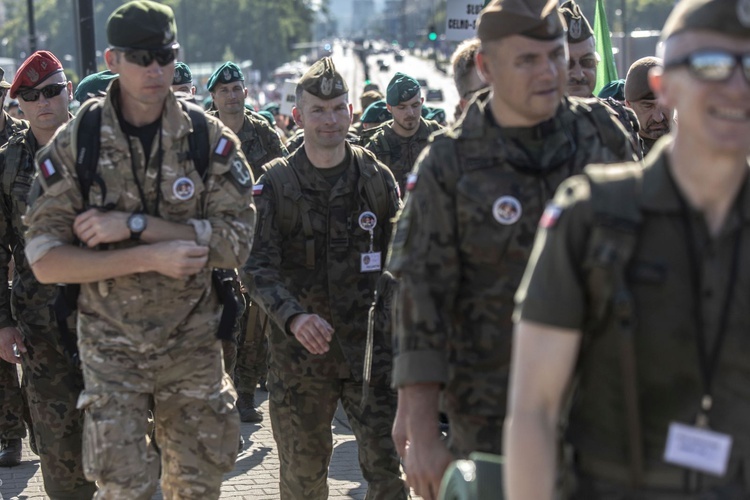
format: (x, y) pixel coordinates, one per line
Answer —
(615, 193)
(373, 180)
(198, 140)
(88, 133)
(290, 205)
(13, 152)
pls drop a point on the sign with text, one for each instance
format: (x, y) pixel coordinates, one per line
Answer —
(287, 97)
(461, 18)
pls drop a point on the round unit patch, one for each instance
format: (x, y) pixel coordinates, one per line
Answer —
(183, 188)
(368, 221)
(507, 210)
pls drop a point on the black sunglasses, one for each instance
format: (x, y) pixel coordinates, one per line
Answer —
(144, 57)
(50, 91)
(713, 65)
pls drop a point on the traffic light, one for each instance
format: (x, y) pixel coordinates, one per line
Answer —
(431, 33)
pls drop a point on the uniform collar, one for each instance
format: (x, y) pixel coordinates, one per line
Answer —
(659, 193)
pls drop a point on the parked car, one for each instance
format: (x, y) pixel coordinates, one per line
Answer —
(434, 95)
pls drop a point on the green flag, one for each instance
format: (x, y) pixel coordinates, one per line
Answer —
(606, 71)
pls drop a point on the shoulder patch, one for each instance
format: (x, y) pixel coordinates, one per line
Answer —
(550, 216)
(49, 172)
(257, 189)
(224, 149)
(411, 181)
(240, 175)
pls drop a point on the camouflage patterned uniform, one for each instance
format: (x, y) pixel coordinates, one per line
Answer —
(146, 336)
(12, 399)
(461, 245)
(400, 153)
(305, 388)
(52, 381)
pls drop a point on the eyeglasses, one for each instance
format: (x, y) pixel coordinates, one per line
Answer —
(713, 65)
(48, 92)
(144, 57)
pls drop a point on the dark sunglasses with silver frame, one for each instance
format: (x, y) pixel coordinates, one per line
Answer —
(144, 57)
(49, 91)
(713, 65)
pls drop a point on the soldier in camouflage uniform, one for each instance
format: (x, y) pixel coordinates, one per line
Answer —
(465, 233)
(399, 141)
(314, 274)
(147, 311)
(12, 399)
(245, 356)
(53, 381)
(654, 117)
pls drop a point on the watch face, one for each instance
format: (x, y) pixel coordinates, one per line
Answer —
(137, 223)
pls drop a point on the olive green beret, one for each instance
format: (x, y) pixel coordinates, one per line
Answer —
(226, 73)
(538, 19)
(578, 26)
(376, 112)
(323, 81)
(636, 82)
(94, 85)
(272, 107)
(182, 74)
(614, 89)
(142, 24)
(729, 17)
(401, 88)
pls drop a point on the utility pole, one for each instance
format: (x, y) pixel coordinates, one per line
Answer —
(32, 28)
(85, 39)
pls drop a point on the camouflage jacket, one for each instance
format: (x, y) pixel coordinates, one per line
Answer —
(12, 125)
(400, 153)
(146, 311)
(463, 239)
(29, 301)
(335, 289)
(260, 142)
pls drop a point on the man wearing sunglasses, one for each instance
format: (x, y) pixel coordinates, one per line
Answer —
(151, 230)
(637, 291)
(53, 381)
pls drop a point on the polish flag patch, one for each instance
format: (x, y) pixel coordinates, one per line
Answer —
(257, 189)
(224, 147)
(48, 168)
(411, 182)
(550, 216)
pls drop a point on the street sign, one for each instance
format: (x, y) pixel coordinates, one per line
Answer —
(461, 18)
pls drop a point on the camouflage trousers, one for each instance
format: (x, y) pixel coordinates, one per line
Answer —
(12, 403)
(252, 351)
(302, 410)
(470, 433)
(196, 421)
(53, 383)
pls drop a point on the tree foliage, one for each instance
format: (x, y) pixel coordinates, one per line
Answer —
(258, 30)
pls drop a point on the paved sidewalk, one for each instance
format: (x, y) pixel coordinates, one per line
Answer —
(255, 476)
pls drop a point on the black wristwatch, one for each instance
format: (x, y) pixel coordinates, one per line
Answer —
(136, 224)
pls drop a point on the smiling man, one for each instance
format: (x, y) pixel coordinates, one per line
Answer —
(400, 140)
(465, 234)
(326, 218)
(636, 295)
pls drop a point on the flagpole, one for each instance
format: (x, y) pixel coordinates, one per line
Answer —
(625, 38)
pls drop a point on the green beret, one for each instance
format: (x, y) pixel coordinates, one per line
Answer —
(426, 110)
(538, 19)
(272, 107)
(437, 114)
(578, 26)
(728, 17)
(376, 112)
(323, 81)
(226, 73)
(401, 88)
(268, 116)
(182, 74)
(94, 85)
(614, 89)
(142, 24)
(636, 81)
